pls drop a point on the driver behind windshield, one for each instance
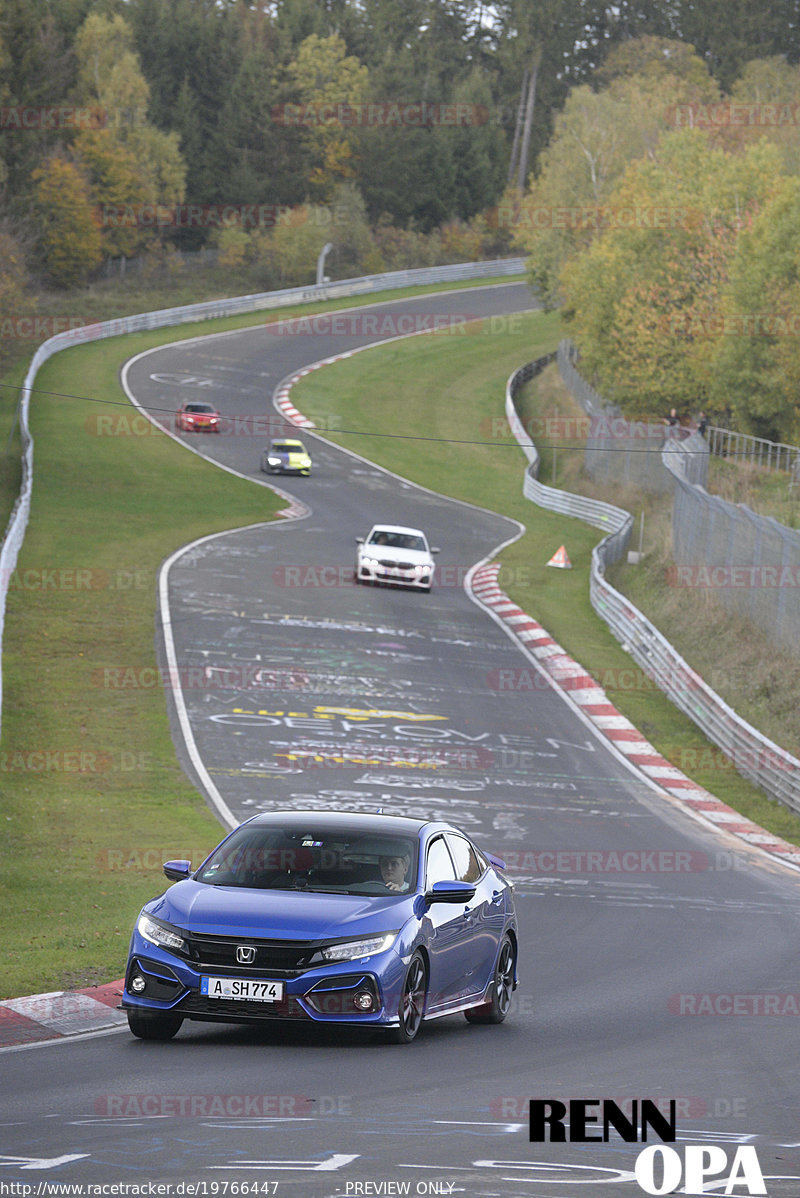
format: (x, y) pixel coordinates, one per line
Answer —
(393, 871)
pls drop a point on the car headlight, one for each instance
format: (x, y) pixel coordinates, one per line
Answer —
(162, 934)
(274, 461)
(356, 948)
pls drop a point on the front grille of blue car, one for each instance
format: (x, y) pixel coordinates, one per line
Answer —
(281, 958)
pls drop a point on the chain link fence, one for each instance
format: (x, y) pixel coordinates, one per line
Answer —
(619, 450)
(750, 563)
(755, 756)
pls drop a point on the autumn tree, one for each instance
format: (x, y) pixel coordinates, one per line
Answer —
(70, 239)
(129, 162)
(329, 84)
(597, 137)
(757, 373)
(291, 249)
(646, 298)
(764, 103)
(16, 299)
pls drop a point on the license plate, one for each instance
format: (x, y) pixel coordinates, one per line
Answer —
(245, 988)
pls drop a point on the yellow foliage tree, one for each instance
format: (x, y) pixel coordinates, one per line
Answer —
(70, 239)
(331, 85)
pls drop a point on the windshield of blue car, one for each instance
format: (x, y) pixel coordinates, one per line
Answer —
(397, 540)
(286, 447)
(314, 859)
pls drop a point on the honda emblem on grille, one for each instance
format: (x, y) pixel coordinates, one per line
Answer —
(245, 954)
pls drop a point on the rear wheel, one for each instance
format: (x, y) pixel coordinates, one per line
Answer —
(148, 1026)
(498, 1006)
(412, 1001)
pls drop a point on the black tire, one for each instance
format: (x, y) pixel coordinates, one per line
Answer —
(148, 1026)
(412, 1001)
(498, 1006)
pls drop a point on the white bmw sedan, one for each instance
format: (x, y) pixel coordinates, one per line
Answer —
(395, 555)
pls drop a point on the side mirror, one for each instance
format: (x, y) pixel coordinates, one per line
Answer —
(359, 540)
(177, 870)
(435, 549)
(450, 892)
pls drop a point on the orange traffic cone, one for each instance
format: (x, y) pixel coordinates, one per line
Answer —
(560, 559)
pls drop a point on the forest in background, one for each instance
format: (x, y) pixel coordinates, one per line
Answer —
(413, 132)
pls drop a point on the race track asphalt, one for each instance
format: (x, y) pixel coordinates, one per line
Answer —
(301, 688)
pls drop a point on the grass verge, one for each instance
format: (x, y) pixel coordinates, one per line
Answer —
(431, 409)
(91, 794)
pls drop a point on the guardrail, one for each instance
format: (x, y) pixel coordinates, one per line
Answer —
(770, 455)
(210, 310)
(614, 520)
(755, 756)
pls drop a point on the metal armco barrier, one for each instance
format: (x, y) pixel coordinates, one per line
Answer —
(366, 285)
(742, 447)
(755, 756)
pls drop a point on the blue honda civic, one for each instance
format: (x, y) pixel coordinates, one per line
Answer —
(375, 921)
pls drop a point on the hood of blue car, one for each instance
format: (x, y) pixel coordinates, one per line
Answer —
(277, 914)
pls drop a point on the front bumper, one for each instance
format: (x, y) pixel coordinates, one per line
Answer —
(326, 994)
(291, 466)
(419, 579)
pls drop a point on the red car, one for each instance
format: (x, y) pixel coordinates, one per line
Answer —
(197, 417)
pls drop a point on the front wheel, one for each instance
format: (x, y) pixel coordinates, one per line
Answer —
(412, 1001)
(498, 1006)
(148, 1026)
